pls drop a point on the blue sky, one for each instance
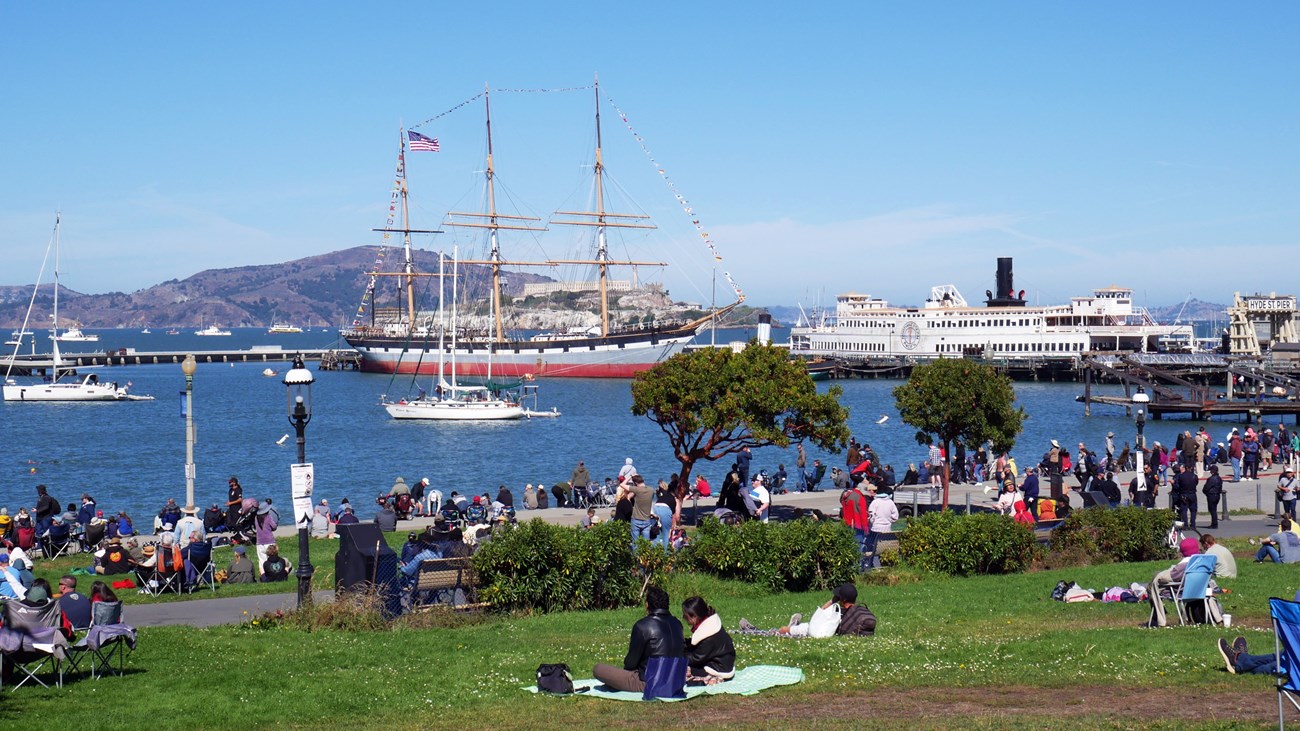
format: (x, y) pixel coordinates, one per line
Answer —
(874, 147)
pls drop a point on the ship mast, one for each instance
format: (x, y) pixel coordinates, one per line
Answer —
(408, 269)
(601, 222)
(493, 224)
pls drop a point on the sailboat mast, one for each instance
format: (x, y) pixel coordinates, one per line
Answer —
(406, 230)
(455, 281)
(442, 321)
(602, 249)
(58, 217)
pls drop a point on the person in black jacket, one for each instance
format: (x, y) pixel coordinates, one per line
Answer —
(658, 634)
(1184, 495)
(1213, 491)
(710, 653)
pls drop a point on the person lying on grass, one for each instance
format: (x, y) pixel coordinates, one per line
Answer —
(1241, 662)
(855, 619)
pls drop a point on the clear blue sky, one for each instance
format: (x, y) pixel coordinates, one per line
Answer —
(875, 147)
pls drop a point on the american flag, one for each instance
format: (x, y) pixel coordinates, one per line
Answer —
(420, 143)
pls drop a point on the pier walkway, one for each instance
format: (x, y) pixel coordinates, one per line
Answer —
(330, 359)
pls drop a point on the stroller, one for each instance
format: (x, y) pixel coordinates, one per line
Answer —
(245, 528)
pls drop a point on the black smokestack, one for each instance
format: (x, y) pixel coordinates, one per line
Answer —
(1004, 292)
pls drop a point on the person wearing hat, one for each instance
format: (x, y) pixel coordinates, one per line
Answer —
(399, 488)
(1168, 581)
(855, 619)
(1286, 492)
(1213, 491)
(115, 559)
(240, 570)
(265, 523)
(188, 525)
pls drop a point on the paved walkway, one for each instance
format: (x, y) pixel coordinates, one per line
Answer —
(212, 612)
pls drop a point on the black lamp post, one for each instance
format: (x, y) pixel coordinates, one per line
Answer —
(298, 383)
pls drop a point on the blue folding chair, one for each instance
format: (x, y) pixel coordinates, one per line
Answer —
(1196, 588)
(1286, 648)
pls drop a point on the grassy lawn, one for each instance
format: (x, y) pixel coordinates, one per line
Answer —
(988, 652)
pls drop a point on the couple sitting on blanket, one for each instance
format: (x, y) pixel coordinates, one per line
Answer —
(659, 662)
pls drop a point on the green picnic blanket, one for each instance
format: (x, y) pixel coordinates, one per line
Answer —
(748, 681)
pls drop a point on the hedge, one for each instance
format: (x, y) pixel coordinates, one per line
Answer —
(537, 566)
(965, 545)
(798, 556)
(1122, 534)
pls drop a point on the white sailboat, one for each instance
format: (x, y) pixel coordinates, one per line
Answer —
(87, 388)
(451, 401)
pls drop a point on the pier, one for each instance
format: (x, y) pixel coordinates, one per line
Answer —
(328, 359)
(1189, 385)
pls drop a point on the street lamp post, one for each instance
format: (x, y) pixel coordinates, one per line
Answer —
(1140, 401)
(298, 383)
(188, 366)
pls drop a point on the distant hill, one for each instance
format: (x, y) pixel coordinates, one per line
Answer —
(318, 289)
(1195, 310)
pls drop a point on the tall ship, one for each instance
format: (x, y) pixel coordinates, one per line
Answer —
(407, 339)
(866, 328)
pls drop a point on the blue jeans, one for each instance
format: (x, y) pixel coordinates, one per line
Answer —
(1269, 552)
(665, 524)
(1236, 468)
(1261, 664)
(641, 529)
(979, 472)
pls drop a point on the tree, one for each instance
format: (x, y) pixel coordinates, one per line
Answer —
(712, 402)
(954, 398)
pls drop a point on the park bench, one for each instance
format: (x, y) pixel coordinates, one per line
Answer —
(447, 581)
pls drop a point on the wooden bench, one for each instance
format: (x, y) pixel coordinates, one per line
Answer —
(442, 580)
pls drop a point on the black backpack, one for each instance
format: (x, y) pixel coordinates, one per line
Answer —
(554, 678)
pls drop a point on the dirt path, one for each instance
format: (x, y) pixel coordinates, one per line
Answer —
(926, 707)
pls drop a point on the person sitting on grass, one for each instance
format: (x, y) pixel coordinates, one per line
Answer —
(656, 636)
(240, 570)
(1226, 565)
(274, 568)
(855, 619)
(1281, 547)
(710, 653)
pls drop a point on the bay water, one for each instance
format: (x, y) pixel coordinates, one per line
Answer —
(131, 456)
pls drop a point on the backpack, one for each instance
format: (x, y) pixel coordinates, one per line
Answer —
(554, 678)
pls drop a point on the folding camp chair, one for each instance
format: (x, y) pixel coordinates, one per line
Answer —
(1196, 591)
(1286, 648)
(106, 644)
(35, 640)
(206, 576)
(58, 541)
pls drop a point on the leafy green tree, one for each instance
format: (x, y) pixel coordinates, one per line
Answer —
(712, 402)
(954, 398)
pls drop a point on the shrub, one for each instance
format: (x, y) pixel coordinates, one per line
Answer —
(798, 556)
(965, 545)
(544, 567)
(1122, 534)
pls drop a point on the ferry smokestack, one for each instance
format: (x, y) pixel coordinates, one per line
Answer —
(1004, 291)
(765, 329)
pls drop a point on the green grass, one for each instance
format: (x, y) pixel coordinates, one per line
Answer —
(938, 640)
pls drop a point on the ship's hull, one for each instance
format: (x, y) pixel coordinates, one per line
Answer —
(616, 356)
(491, 410)
(63, 392)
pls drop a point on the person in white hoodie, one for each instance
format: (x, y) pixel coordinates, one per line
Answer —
(882, 513)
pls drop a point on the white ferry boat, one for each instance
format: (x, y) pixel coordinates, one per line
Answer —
(283, 329)
(212, 331)
(1005, 328)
